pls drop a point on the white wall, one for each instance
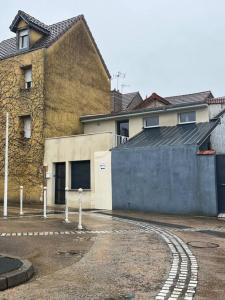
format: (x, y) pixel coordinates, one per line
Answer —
(214, 109)
(103, 180)
(81, 147)
(136, 123)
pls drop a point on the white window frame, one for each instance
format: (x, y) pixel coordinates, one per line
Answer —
(153, 126)
(22, 34)
(186, 112)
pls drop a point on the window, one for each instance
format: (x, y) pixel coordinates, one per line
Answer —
(26, 126)
(80, 174)
(187, 117)
(123, 128)
(28, 78)
(24, 39)
(152, 121)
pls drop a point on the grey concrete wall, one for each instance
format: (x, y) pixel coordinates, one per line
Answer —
(164, 180)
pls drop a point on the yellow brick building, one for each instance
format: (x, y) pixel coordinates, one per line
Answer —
(50, 75)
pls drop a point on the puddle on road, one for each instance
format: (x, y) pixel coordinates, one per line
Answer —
(201, 244)
(68, 253)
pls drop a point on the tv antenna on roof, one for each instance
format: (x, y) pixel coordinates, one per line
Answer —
(118, 76)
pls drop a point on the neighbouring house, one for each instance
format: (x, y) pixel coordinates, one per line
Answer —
(153, 111)
(170, 155)
(121, 102)
(50, 75)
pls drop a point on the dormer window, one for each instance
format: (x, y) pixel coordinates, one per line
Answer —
(23, 39)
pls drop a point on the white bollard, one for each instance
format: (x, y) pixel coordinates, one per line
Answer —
(66, 206)
(45, 202)
(80, 190)
(21, 200)
(41, 196)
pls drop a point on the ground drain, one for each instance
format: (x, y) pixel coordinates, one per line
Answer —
(200, 244)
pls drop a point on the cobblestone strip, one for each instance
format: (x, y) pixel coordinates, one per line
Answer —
(196, 229)
(182, 279)
(47, 233)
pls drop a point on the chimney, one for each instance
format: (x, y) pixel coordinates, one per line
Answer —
(116, 101)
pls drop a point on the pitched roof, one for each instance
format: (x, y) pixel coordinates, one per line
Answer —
(140, 112)
(150, 99)
(31, 21)
(201, 96)
(8, 48)
(188, 134)
(219, 100)
(128, 98)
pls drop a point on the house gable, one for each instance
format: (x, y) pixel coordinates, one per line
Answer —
(76, 82)
(152, 101)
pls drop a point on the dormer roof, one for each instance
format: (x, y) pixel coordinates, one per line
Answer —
(154, 97)
(31, 22)
(51, 33)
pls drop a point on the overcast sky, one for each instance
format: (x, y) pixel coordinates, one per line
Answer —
(165, 46)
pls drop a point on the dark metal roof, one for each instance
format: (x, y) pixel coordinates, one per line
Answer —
(195, 97)
(8, 48)
(188, 134)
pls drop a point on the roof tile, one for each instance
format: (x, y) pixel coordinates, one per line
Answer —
(195, 97)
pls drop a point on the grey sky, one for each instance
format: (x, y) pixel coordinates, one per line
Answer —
(166, 46)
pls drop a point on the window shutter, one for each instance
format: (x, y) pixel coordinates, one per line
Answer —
(28, 75)
(27, 127)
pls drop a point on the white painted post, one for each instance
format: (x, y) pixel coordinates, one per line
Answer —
(66, 206)
(5, 210)
(45, 202)
(80, 190)
(41, 196)
(21, 200)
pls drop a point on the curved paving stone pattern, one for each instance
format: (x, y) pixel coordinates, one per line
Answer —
(182, 278)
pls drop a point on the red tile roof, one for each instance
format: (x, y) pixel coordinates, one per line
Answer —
(219, 100)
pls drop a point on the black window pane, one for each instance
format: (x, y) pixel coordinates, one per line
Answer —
(80, 174)
(123, 128)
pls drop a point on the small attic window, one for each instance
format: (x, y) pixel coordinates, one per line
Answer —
(23, 36)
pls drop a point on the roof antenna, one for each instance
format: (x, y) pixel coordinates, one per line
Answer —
(118, 76)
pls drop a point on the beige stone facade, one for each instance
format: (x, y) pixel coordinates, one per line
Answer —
(69, 79)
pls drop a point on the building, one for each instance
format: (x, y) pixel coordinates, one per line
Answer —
(121, 153)
(123, 102)
(171, 154)
(50, 75)
(153, 111)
